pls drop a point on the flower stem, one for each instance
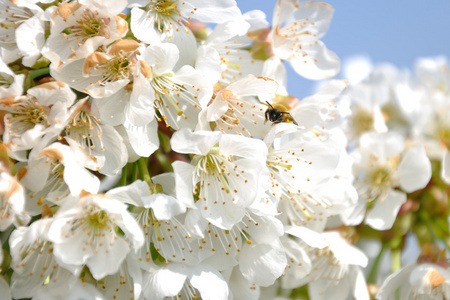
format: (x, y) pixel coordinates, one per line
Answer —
(123, 177)
(396, 259)
(144, 170)
(36, 73)
(372, 278)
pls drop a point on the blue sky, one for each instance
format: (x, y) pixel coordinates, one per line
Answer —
(394, 31)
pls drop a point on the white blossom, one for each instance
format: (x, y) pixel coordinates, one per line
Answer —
(419, 281)
(221, 174)
(84, 233)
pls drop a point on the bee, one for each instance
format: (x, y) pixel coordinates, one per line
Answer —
(277, 114)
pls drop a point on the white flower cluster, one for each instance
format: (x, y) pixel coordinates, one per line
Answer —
(150, 150)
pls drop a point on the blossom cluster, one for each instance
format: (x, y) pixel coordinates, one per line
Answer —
(151, 150)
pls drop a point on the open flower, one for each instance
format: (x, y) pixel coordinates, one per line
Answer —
(167, 21)
(417, 281)
(185, 281)
(156, 214)
(302, 167)
(11, 85)
(33, 261)
(57, 172)
(381, 165)
(226, 175)
(230, 111)
(85, 232)
(78, 29)
(335, 266)
(12, 201)
(22, 31)
(295, 38)
(44, 111)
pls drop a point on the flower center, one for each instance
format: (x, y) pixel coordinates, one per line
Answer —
(86, 130)
(98, 219)
(361, 121)
(166, 14)
(380, 180)
(166, 7)
(119, 67)
(175, 101)
(12, 17)
(380, 177)
(442, 131)
(213, 168)
(89, 25)
(25, 115)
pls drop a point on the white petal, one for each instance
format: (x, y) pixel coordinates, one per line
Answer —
(208, 61)
(310, 237)
(167, 181)
(187, 46)
(275, 69)
(108, 258)
(112, 109)
(215, 110)
(113, 8)
(445, 167)
(346, 253)
(360, 287)
(320, 63)
(209, 282)
(318, 12)
(163, 283)
(143, 26)
(384, 213)
(314, 103)
(5, 290)
(225, 31)
(321, 290)
(115, 153)
(242, 146)
(299, 264)
(263, 263)
(52, 93)
(30, 39)
(36, 175)
(379, 123)
(68, 290)
(254, 86)
(65, 250)
(241, 288)
(183, 182)
(383, 145)
(264, 229)
(199, 142)
(143, 139)
(354, 215)
(195, 223)
(164, 207)
(215, 11)
(130, 194)
(219, 209)
(414, 170)
(161, 56)
(388, 289)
